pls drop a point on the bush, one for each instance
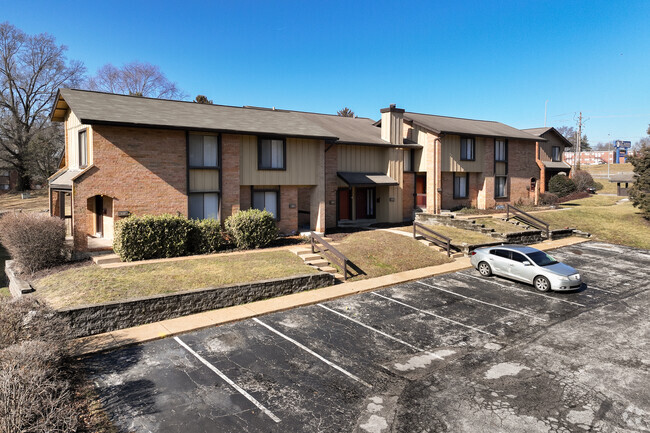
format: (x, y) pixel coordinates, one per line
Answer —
(35, 395)
(598, 186)
(576, 195)
(583, 181)
(152, 237)
(207, 237)
(252, 228)
(34, 240)
(561, 185)
(548, 199)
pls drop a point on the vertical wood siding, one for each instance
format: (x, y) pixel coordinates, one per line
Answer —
(366, 159)
(73, 125)
(451, 154)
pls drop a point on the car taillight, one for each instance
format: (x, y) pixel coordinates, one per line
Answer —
(472, 253)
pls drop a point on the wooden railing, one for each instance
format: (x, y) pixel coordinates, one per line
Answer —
(527, 218)
(334, 255)
(428, 234)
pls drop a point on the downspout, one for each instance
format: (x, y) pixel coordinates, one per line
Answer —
(542, 169)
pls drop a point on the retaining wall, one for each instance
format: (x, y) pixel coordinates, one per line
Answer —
(99, 318)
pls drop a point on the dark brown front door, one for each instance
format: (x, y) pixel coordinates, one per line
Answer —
(344, 204)
(421, 191)
(365, 203)
(99, 214)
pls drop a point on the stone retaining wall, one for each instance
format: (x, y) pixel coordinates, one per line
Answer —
(17, 286)
(96, 319)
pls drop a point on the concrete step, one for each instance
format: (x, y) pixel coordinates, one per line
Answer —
(326, 239)
(309, 257)
(317, 263)
(104, 259)
(302, 252)
(328, 269)
(457, 255)
(339, 277)
(426, 242)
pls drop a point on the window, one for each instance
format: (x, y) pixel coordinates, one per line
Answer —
(461, 181)
(466, 149)
(556, 154)
(500, 189)
(204, 205)
(271, 154)
(501, 253)
(518, 257)
(500, 150)
(408, 159)
(268, 200)
(83, 149)
(204, 151)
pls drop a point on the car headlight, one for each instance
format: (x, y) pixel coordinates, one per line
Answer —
(574, 277)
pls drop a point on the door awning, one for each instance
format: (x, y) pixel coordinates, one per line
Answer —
(366, 179)
(63, 180)
(556, 164)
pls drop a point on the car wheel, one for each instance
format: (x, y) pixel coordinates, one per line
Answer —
(484, 269)
(542, 284)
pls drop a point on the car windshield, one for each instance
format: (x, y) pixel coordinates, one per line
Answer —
(542, 259)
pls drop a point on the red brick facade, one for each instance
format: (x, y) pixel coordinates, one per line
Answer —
(288, 209)
(230, 190)
(143, 170)
(331, 167)
(408, 196)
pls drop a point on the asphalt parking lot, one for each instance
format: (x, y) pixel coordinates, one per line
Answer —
(455, 353)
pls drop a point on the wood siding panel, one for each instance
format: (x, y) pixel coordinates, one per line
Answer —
(73, 125)
(362, 159)
(302, 161)
(204, 180)
(451, 154)
(546, 147)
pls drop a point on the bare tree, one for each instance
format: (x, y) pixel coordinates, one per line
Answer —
(137, 79)
(32, 69)
(345, 112)
(202, 99)
(570, 134)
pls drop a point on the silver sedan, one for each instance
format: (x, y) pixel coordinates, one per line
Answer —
(526, 264)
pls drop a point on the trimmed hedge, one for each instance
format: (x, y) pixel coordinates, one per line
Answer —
(561, 185)
(208, 237)
(252, 228)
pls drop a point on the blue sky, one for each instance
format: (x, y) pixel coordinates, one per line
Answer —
(493, 60)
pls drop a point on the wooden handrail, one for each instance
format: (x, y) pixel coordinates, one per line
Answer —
(432, 236)
(527, 218)
(330, 252)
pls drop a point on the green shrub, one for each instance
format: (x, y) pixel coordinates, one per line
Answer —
(207, 237)
(252, 228)
(561, 185)
(34, 240)
(548, 199)
(152, 237)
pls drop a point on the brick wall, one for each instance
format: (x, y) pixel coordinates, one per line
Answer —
(408, 198)
(143, 170)
(288, 209)
(245, 200)
(521, 168)
(448, 200)
(230, 190)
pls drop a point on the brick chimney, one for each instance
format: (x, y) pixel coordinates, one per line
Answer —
(392, 124)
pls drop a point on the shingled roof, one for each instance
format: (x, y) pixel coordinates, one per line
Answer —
(460, 126)
(545, 129)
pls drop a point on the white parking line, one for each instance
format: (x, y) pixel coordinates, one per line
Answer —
(250, 398)
(482, 302)
(432, 314)
(523, 290)
(311, 352)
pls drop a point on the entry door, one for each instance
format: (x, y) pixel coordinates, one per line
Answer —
(344, 204)
(365, 203)
(99, 215)
(421, 191)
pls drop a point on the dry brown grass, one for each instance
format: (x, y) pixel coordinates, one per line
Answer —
(378, 253)
(601, 169)
(500, 226)
(38, 201)
(457, 235)
(91, 284)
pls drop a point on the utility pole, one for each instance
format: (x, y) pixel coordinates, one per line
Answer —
(579, 140)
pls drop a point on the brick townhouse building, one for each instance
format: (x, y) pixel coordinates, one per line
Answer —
(127, 155)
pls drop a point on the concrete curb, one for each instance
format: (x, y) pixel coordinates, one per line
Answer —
(180, 325)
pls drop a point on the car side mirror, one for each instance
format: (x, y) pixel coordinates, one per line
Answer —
(527, 263)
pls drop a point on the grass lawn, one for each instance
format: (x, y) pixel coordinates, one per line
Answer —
(37, 202)
(608, 187)
(458, 236)
(500, 226)
(601, 169)
(4, 292)
(92, 284)
(379, 253)
(616, 223)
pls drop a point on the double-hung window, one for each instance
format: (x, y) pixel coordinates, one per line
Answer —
(409, 156)
(500, 186)
(271, 154)
(204, 176)
(467, 149)
(556, 154)
(500, 151)
(83, 148)
(267, 199)
(461, 185)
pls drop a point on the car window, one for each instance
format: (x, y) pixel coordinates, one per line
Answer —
(542, 259)
(518, 257)
(501, 253)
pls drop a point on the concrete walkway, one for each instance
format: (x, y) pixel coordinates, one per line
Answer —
(180, 325)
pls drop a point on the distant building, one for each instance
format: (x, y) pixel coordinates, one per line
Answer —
(591, 157)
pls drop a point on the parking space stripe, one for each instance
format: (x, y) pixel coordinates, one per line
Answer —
(374, 329)
(250, 398)
(432, 314)
(311, 352)
(523, 290)
(482, 302)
